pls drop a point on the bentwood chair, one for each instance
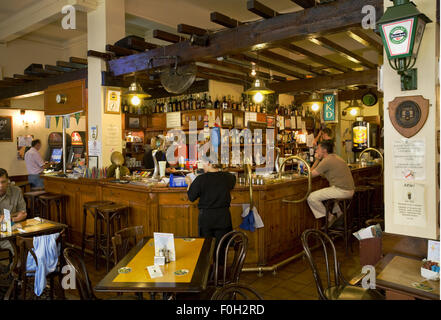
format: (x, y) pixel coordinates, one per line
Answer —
(124, 240)
(83, 284)
(339, 289)
(22, 276)
(236, 291)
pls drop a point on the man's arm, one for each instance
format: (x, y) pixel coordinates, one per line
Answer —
(19, 216)
(315, 164)
(314, 173)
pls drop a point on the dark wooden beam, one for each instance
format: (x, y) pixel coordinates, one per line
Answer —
(305, 3)
(290, 62)
(361, 37)
(343, 52)
(57, 68)
(42, 84)
(223, 20)
(224, 73)
(260, 9)
(187, 29)
(315, 57)
(263, 34)
(119, 51)
(101, 55)
(26, 77)
(196, 87)
(135, 43)
(219, 78)
(15, 81)
(78, 60)
(6, 84)
(167, 36)
(326, 82)
(71, 65)
(269, 65)
(36, 69)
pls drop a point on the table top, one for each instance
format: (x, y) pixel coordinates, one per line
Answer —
(192, 254)
(398, 272)
(32, 227)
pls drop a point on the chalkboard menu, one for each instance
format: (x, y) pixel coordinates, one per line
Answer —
(5, 128)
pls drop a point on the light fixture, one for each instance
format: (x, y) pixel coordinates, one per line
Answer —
(258, 90)
(353, 108)
(135, 94)
(402, 28)
(315, 101)
(26, 119)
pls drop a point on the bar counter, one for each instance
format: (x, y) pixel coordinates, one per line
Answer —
(164, 209)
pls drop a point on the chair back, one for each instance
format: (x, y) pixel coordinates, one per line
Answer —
(236, 291)
(237, 243)
(82, 280)
(323, 241)
(124, 240)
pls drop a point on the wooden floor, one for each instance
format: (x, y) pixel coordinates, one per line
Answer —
(293, 281)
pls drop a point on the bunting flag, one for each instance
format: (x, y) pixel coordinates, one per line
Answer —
(48, 122)
(57, 118)
(66, 120)
(77, 117)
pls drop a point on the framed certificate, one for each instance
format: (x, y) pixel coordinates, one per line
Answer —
(113, 101)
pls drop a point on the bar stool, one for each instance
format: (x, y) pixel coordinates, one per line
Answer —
(32, 202)
(59, 200)
(363, 195)
(344, 205)
(379, 195)
(90, 208)
(110, 214)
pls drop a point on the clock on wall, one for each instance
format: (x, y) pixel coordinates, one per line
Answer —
(369, 99)
(113, 101)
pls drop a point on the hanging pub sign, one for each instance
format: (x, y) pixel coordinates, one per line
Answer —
(329, 108)
(408, 114)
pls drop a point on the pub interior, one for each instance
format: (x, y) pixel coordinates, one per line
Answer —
(123, 123)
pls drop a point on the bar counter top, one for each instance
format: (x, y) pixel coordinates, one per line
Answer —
(165, 209)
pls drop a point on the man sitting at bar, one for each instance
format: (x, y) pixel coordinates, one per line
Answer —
(339, 176)
(11, 198)
(325, 134)
(35, 164)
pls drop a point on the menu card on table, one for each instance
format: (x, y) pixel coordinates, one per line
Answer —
(165, 241)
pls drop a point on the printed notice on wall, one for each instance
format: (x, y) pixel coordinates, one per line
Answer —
(409, 159)
(112, 135)
(94, 148)
(173, 119)
(409, 208)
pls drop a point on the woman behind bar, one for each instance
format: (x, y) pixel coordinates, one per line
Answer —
(213, 188)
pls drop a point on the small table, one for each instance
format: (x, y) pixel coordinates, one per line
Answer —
(193, 254)
(395, 275)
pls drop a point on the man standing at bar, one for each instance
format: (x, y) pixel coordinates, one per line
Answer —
(339, 176)
(11, 198)
(35, 164)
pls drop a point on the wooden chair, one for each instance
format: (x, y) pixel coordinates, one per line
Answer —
(22, 276)
(124, 240)
(339, 289)
(236, 291)
(84, 286)
(228, 270)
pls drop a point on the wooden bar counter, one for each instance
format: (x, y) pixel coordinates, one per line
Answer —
(169, 210)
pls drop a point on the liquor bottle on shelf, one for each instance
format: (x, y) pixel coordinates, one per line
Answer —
(224, 104)
(125, 107)
(242, 103)
(229, 103)
(198, 101)
(217, 103)
(193, 103)
(179, 104)
(209, 103)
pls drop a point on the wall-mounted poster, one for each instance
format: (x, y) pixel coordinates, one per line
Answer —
(23, 145)
(6, 128)
(270, 121)
(227, 118)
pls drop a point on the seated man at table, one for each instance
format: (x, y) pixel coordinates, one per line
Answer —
(339, 176)
(11, 198)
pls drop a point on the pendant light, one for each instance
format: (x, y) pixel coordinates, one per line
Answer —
(135, 93)
(315, 101)
(258, 90)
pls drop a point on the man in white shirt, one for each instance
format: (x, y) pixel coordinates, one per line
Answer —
(35, 164)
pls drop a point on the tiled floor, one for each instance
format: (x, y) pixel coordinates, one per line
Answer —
(293, 281)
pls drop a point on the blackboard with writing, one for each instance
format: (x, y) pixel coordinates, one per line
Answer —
(5, 128)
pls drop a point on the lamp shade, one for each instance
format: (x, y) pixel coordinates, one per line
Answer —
(135, 89)
(402, 27)
(259, 86)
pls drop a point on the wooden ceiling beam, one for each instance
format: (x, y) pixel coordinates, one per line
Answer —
(315, 57)
(167, 36)
(268, 65)
(263, 34)
(57, 68)
(361, 37)
(218, 78)
(224, 73)
(188, 29)
(260, 9)
(305, 3)
(78, 60)
(37, 70)
(14, 81)
(71, 65)
(135, 43)
(101, 55)
(223, 20)
(326, 43)
(326, 82)
(26, 77)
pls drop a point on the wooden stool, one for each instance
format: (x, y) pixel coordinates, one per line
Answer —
(110, 214)
(59, 200)
(363, 196)
(90, 208)
(344, 205)
(32, 202)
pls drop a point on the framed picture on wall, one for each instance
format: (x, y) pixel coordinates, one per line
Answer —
(238, 122)
(133, 122)
(227, 118)
(6, 129)
(93, 162)
(113, 101)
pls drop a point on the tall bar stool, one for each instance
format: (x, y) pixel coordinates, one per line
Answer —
(112, 216)
(363, 196)
(90, 208)
(59, 200)
(344, 205)
(32, 202)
